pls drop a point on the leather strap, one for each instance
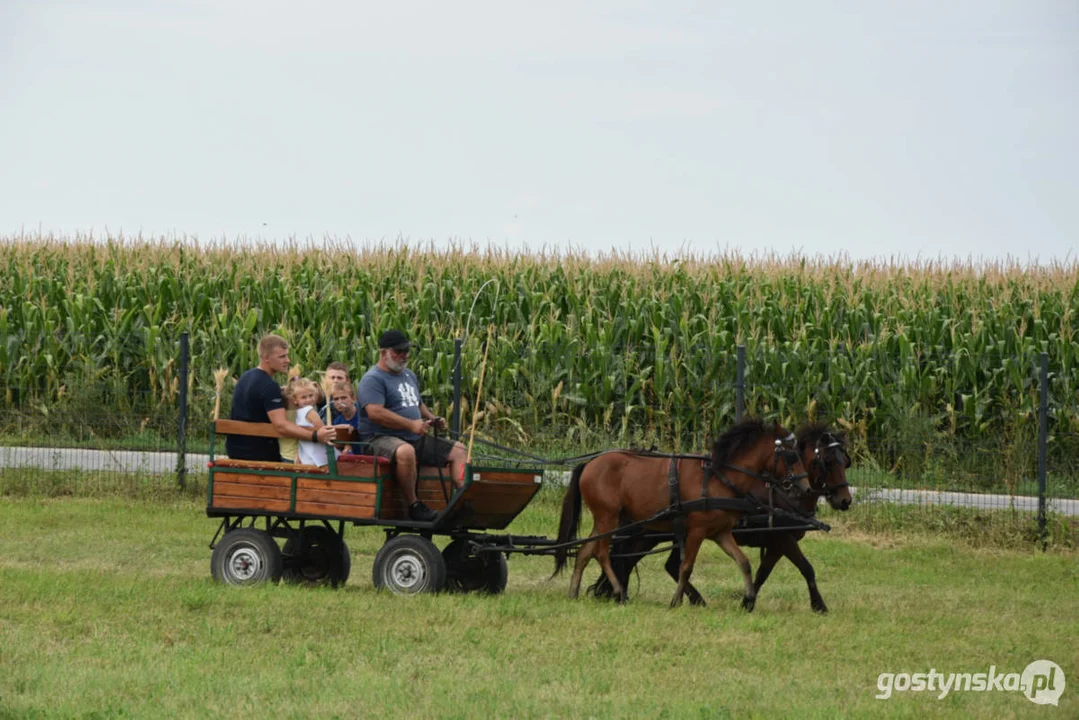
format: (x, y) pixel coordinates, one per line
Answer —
(678, 523)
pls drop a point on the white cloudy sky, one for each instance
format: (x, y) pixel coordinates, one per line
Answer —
(880, 129)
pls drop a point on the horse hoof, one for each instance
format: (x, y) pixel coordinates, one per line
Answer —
(820, 609)
(698, 602)
(748, 603)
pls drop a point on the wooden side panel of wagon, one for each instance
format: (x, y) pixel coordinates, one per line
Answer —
(238, 487)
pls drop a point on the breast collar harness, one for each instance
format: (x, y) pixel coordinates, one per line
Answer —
(785, 448)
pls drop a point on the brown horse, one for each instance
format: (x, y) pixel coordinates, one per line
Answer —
(706, 502)
(824, 454)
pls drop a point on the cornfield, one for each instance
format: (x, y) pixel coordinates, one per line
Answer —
(624, 348)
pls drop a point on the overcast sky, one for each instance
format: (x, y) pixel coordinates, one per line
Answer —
(879, 129)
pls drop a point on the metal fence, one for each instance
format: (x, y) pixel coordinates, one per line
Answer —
(1022, 474)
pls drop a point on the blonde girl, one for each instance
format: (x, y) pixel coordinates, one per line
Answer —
(308, 398)
(290, 447)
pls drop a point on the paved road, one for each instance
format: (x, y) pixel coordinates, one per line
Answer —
(163, 463)
(102, 460)
(985, 502)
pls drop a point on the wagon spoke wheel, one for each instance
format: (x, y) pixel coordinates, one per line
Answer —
(317, 556)
(409, 565)
(469, 572)
(246, 557)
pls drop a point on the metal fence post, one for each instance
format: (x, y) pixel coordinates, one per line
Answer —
(455, 423)
(1043, 442)
(181, 422)
(740, 385)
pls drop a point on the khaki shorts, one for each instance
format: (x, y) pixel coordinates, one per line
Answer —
(430, 450)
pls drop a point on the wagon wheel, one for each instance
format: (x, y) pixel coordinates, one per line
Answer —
(246, 557)
(408, 565)
(325, 559)
(465, 572)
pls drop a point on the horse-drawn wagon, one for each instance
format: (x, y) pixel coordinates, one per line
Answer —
(308, 508)
(260, 503)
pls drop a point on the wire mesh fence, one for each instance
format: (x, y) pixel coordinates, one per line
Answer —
(921, 432)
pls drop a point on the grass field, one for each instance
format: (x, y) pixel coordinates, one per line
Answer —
(107, 609)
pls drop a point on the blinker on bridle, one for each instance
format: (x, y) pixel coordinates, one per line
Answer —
(786, 448)
(820, 457)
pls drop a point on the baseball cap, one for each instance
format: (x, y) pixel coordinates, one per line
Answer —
(394, 339)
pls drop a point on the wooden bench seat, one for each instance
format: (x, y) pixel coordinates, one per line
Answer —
(251, 429)
(354, 459)
(267, 465)
(254, 429)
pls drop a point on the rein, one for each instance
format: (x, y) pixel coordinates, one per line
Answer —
(764, 477)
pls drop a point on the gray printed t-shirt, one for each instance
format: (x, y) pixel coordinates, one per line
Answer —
(397, 392)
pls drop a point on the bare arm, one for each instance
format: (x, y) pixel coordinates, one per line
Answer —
(292, 430)
(389, 419)
(426, 413)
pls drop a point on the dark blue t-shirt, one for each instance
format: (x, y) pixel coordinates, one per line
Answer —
(339, 419)
(397, 392)
(256, 394)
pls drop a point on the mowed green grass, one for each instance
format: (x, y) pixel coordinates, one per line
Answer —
(107, 609)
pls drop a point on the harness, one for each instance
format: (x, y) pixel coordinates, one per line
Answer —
(742, 501)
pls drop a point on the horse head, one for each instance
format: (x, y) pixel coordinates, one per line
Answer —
(763, 455)
(824, 455)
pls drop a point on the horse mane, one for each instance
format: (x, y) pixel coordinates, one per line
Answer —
(810, 433)
(731, 442)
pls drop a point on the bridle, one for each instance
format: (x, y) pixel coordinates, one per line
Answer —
(828, 450)
(786, 449)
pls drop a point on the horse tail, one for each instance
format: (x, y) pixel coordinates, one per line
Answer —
(571, 518)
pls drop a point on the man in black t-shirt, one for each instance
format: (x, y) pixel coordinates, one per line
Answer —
(257, 398)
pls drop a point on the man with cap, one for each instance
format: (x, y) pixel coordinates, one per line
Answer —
(396, 422)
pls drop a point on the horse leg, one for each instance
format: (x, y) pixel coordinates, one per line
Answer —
(584, 554)
(672, 565)
(592, 549)
(603, 555)
(624, 557)
(727, 542)
(770, 555)
(794, 553)
(694, 538)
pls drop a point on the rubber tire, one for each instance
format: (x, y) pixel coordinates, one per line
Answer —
(326, 559)
(246, 557)
(486, 573)
(409, 565)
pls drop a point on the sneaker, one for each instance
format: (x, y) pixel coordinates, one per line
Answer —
(421, 513)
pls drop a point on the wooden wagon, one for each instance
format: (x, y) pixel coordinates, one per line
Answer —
(307, 507)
